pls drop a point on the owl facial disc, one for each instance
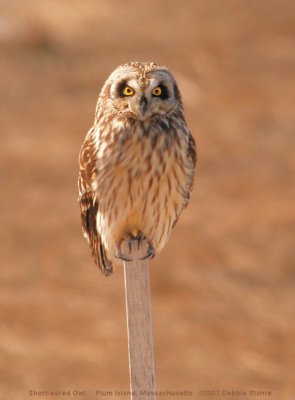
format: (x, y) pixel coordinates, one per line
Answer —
(142, 98)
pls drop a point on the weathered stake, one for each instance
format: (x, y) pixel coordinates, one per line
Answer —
(139, 327)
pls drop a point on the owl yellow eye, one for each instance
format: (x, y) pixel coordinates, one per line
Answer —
(128, 91)
(157, 91)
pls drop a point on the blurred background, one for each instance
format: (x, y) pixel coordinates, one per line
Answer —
(223, 288)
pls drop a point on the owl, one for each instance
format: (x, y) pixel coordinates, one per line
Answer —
(137, 164)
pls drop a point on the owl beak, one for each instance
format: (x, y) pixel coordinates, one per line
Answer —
(143, 104)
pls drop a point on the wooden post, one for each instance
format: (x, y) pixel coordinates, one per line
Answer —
(139, 326)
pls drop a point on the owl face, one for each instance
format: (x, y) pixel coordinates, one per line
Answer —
(140, 93)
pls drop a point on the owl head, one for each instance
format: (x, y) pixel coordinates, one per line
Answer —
(141, 90)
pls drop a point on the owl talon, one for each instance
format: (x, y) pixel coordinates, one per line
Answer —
(129, 245)
(121, 256)
(130, 239)
(150, 253)
(139, 238)
(125, 248)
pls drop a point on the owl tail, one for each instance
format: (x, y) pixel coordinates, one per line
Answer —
(88, 220)
(99, 255)
(102, 261)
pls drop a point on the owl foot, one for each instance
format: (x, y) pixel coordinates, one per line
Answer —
(150, 253)
(138, 243)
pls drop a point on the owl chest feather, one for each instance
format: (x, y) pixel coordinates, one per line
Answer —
(141, 185)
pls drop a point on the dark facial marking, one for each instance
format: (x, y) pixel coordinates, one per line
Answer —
(120, 87)
(165, 92)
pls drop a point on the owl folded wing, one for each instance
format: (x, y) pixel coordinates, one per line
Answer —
(89, 203)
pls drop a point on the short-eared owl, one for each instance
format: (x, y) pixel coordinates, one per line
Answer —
(136, 164)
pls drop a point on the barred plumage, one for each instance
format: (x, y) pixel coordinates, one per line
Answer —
(136, 164)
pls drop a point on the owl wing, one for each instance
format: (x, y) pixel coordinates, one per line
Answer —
(192, 156)
(89, 203)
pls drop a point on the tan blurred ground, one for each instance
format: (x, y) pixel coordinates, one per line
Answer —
(223, 289)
